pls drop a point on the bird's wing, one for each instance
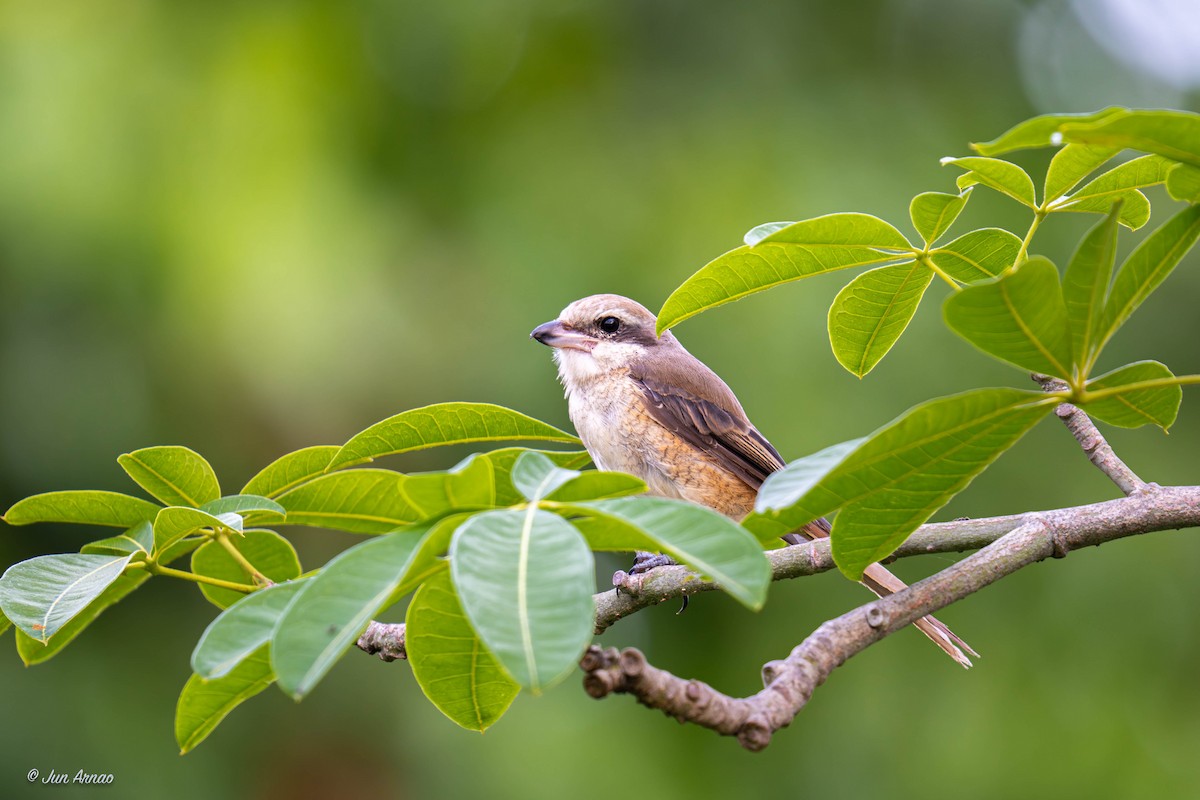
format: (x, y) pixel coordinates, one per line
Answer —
(692, 402)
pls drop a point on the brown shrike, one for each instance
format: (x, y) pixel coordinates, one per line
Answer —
(644, 405)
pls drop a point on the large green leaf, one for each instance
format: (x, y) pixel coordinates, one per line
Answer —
(799, 250)
(86, 507)
(138, 539)
(711, 544)
(910, 468)
(785, 487)
(933, 213)
(870, 313)
(245, 505)
(978, 255)
(1085, 286)
(443, 424)
(175, 522)
(468, 485)
(175, 475)
(1019, 318)
(1003, 176)
(1174, 134)
(1135, 208)
(333, 608)
(1040, 131)
(449, 660)
(538, 478)
(1183, 183)
(359, 501)
(503, 461)
(1148, 266)
(203, 704)
(1070, 165)
(271, 554)
(239, 631)
(1137, 173)
(32, 651)
(525, 579)
(1157, 405)
(43, 594)
(291, 470)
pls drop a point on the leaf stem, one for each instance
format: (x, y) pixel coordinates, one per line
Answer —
(157, 569)
(1099, 394)
(1022, 254)
(928, 262)
(251, 571)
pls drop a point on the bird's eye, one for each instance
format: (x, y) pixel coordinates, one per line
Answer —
(609, 324)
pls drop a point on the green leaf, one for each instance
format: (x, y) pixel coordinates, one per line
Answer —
(359, 501)
(1174, 134)
(536, 476)
(1086, 284)
(175, 522)
(175, 475)
(32, 651)
(1019, 318)
(1183, 183)
(799, 250)
(443, 424)
(1003, 176)
(978, 255)
(84, 507)
(1148, 266)
(711, 544)
(469, 485)
(1072, 164)
(1039, 131)
(203, 704)
(870, 313)
(246, 505)
(904, 472)
(933, 213)
(41, 595)
(784, 488)
(1157, 405)
(291, 470)
(5, 623)
(1135, 208)
(138, 539)
(239, 631)
(1099, 193)
(271, 554)
(525, 579)
(333, 608)
(449, 660)
(504, 460)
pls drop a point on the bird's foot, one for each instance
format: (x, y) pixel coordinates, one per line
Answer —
(643, 562)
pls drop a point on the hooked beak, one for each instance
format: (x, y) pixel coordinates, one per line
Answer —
(555, 334)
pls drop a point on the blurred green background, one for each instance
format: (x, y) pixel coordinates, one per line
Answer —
(252, 227)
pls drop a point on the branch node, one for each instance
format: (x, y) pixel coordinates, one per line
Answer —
(754, 734)
(876, 617)
(771, 671)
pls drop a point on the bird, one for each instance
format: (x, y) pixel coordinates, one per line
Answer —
(644, 405)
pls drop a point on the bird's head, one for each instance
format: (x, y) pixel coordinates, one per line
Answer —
(599, 334)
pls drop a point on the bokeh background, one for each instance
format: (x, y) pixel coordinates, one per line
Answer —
(252, 227)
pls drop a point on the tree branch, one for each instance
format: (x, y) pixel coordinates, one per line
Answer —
(789, 683)
(1094, 445)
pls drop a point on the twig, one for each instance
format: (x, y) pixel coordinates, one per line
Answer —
(789, 683)
(385, 640)
(1094, 445)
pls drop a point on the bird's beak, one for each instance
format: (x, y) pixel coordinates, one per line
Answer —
(555, 334)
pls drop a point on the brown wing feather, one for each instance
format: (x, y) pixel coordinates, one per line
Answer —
(688, 399)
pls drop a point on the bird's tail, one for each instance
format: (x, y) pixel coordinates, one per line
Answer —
(882, 582)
